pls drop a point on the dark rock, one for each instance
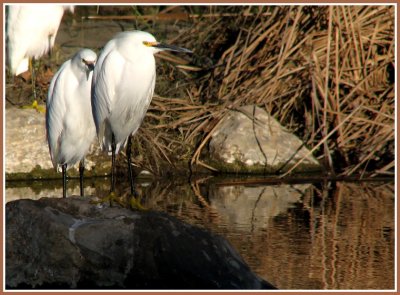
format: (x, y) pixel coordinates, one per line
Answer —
(70, 243)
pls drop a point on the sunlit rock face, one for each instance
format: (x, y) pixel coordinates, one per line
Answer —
(26, 144)
(250, 140)
(27, 149)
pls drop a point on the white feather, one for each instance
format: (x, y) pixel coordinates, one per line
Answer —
(31, 32)
(123, 86)
(69, 122)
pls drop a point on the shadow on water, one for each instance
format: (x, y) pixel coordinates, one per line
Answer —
(321, 235)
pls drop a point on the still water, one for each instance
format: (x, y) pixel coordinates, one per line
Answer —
(331, 235)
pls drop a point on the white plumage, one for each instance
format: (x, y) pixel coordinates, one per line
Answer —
(122, 89)
(31, 32)
(69, 122)
(123, 85)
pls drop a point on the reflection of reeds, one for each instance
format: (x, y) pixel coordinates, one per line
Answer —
(355, 238)
(326, 72)
(344, 240)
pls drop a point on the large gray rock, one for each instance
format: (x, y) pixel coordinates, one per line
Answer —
(70, 243)
(262, 145)
(26, 144)
(27, 149)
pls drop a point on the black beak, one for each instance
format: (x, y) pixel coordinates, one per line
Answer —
(90, 66)
(163, 46)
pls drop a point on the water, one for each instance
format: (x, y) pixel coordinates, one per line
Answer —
(297, 236)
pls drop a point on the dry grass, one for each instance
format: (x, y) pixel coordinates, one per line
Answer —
(325, 72)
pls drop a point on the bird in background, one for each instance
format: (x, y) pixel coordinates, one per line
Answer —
(30, 33)
(69, 122)
(122, 88)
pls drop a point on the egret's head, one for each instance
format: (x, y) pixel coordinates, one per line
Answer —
(86, 59)
(147, 40)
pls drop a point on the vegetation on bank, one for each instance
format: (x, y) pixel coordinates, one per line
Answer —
(325, 72)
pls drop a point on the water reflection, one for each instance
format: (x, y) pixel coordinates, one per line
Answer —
(296, 236)
(249, 208)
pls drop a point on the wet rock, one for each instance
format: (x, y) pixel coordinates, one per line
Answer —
(36, 193)
(27, 150)
(262, 145)
(70, 243)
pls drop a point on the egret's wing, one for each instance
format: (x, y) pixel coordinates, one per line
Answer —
(106, 74)
(56, 110)
(133, 96)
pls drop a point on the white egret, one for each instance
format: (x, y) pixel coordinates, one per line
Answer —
(122, 88)
(69, 121)
(31, 32)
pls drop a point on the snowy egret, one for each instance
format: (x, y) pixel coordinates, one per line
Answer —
(69, 121)
(122, 88)
(31, 32)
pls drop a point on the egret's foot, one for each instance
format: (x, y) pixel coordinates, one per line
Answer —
(35, 106)
(110, 198)
(134, 203)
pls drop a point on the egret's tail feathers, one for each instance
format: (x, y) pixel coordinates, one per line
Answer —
(117, 148)
(106, 147)
(105, 135)
(23, 66)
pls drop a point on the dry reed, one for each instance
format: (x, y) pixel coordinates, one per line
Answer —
(325, 72)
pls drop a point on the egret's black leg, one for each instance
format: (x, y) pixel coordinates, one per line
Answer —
(130, 174)
(81, 170)
(33, 79)
(111, 196)
(64, 176)
(112, 163)
(134, 199)
(50, 48)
